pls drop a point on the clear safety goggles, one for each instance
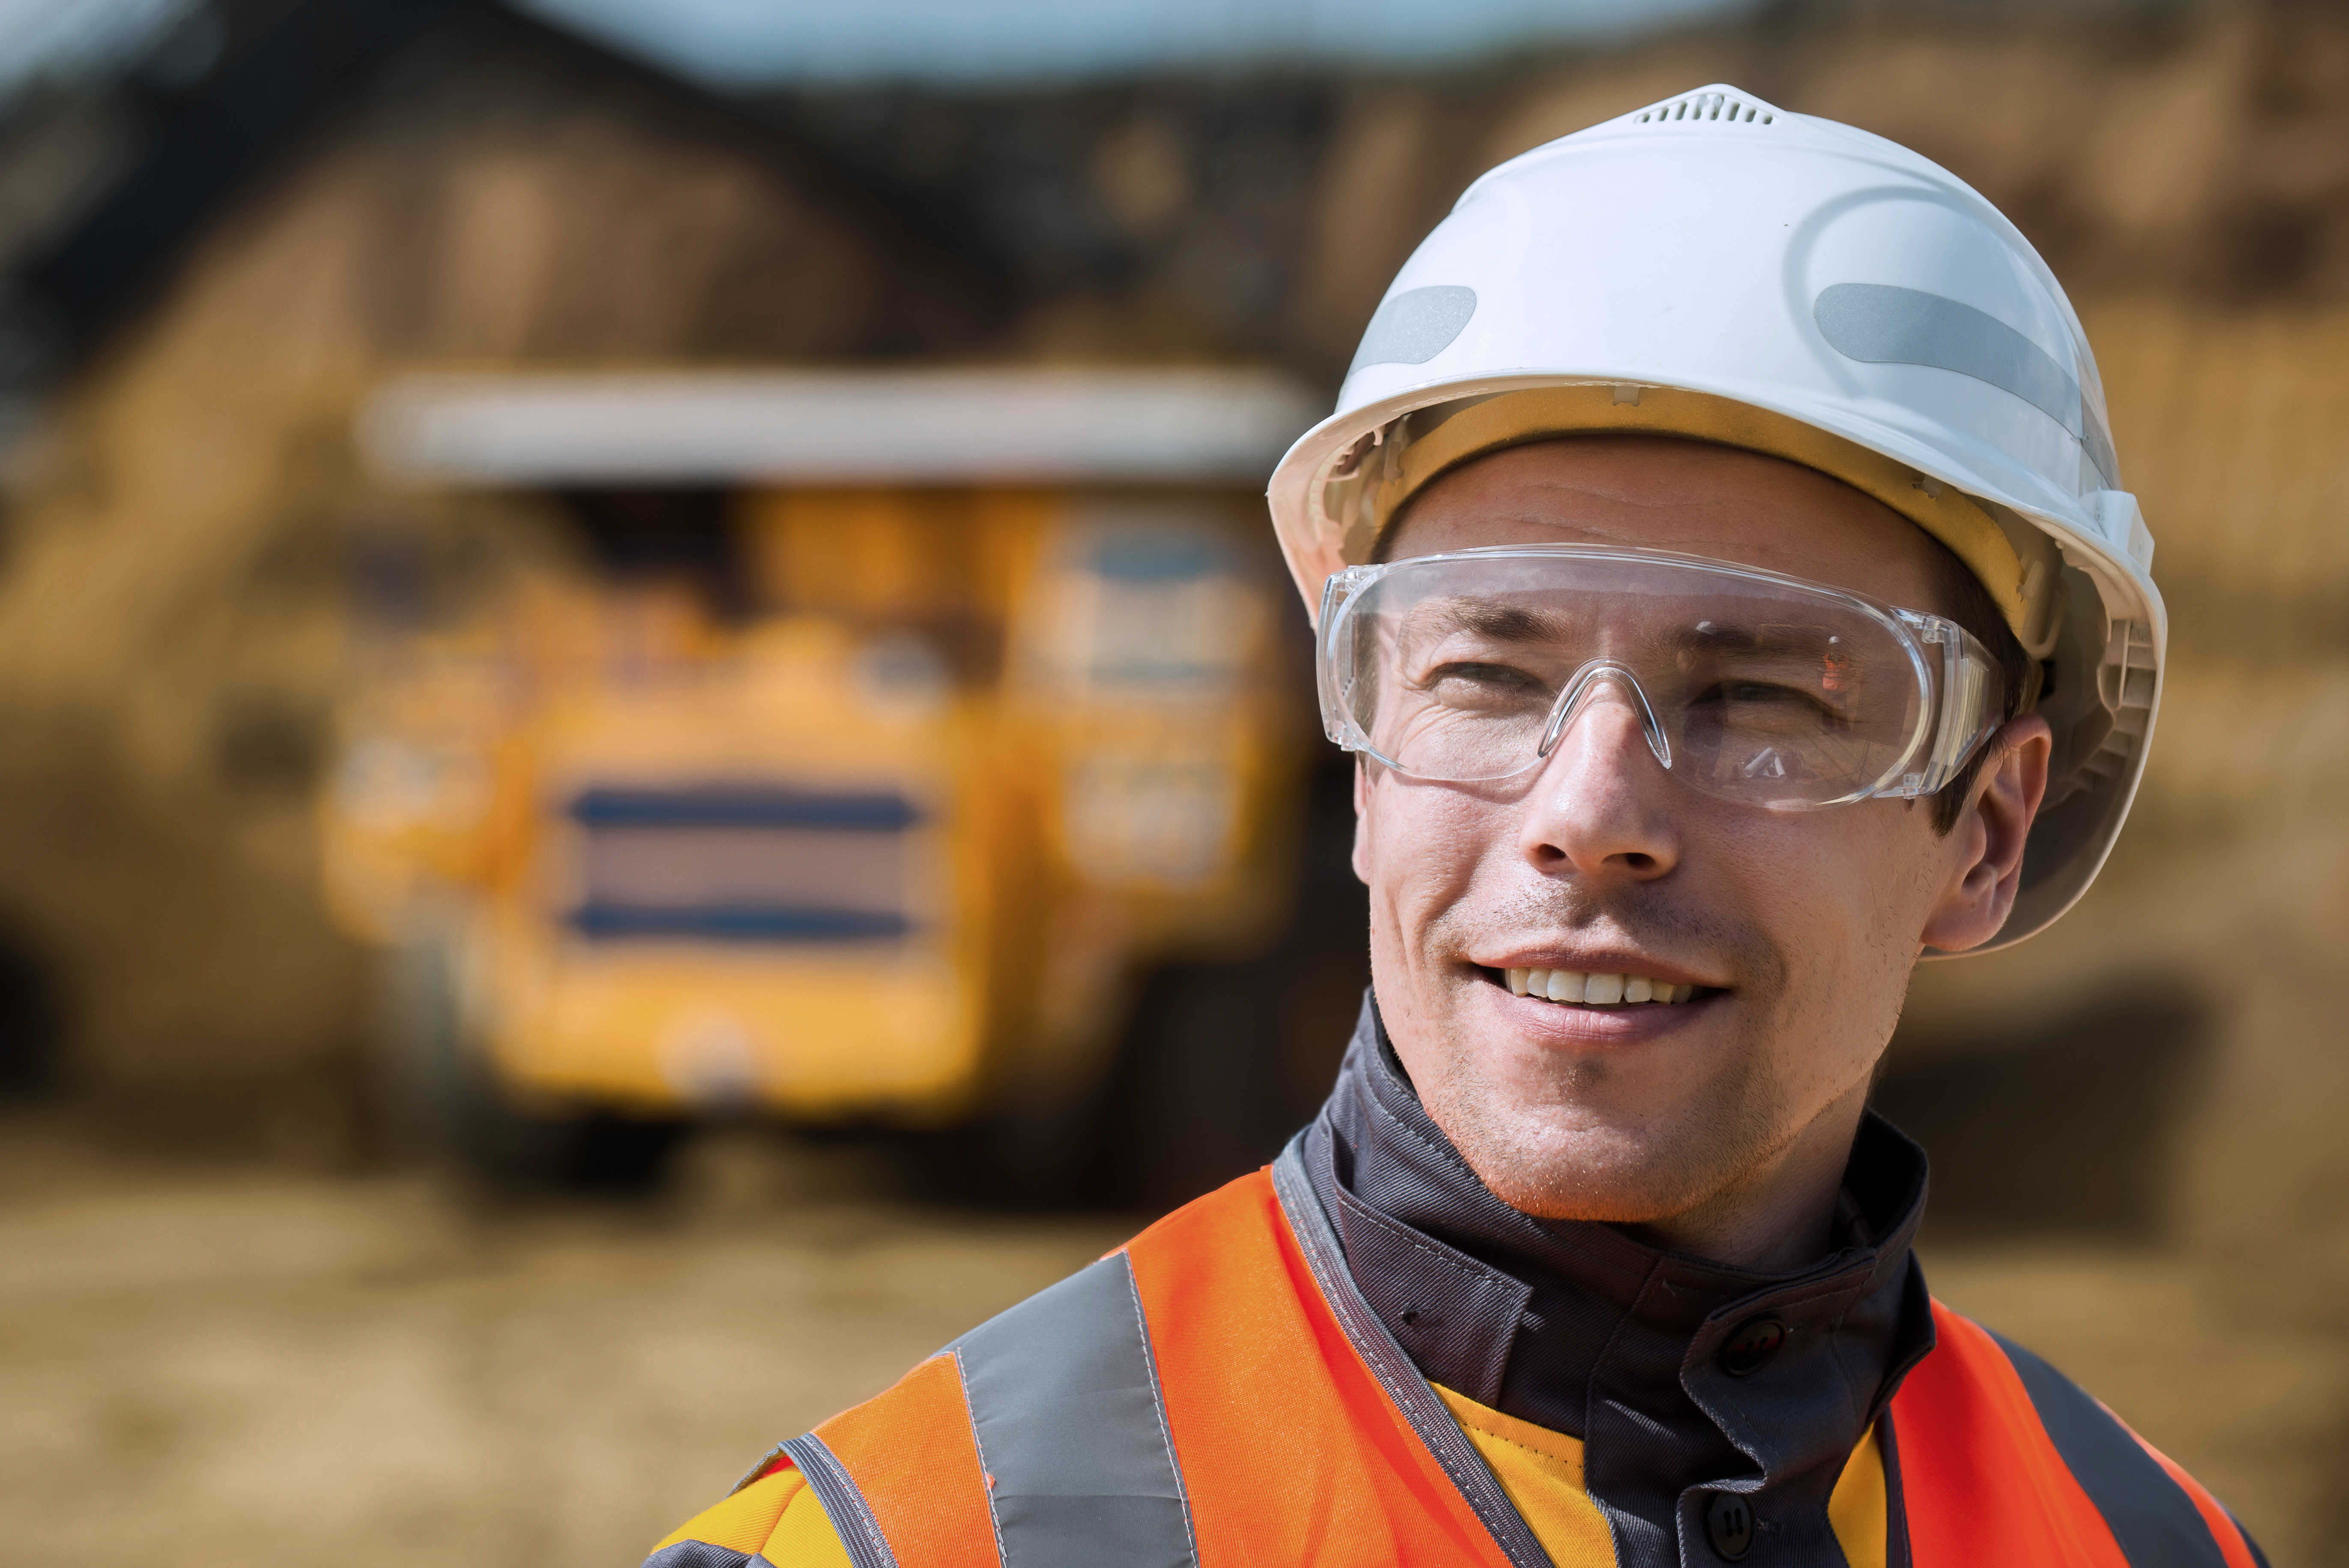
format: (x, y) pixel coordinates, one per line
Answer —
(1470, 667)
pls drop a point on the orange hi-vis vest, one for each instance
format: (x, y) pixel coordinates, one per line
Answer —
(1217, 1393)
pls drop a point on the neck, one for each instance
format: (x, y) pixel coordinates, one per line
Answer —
(1780, 1216)
(1585, 1329)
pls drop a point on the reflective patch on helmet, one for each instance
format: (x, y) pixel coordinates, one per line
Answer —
(1880, 324)
(2097, 437)
(1415, 325)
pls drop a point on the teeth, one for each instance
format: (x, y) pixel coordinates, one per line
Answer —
(1599, 990)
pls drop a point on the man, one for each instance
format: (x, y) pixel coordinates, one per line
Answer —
(1724, 579)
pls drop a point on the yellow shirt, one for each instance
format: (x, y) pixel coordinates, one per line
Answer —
(778, 1518)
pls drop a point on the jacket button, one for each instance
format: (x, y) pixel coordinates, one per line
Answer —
(1749, 1349)
(1729, 1521)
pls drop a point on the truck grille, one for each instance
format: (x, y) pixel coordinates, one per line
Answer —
(739, 863)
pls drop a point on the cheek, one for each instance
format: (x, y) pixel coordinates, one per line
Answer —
(1856, 875)
(1844, 894)
(1897, 865)
(1419, 848)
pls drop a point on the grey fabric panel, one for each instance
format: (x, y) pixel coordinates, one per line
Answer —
(843, 1505)
(1880, 324)
(1444, 1307)
(702, 1554)
(1415, 325)
(1430, 1418)
(1064, 1399)
(1094, 1528)
(2155, 1521)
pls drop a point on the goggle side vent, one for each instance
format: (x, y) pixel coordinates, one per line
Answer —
(1705, 106)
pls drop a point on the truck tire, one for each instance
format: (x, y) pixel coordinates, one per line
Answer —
(1225, 1060)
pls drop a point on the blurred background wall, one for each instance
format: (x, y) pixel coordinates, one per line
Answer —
(221, 231)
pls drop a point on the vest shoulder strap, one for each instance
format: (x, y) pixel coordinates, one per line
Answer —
(899, 1475)
(1036, 1441)
(2004, 1459)
(1296, 1449)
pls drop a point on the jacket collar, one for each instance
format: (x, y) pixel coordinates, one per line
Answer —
(1584, 1329)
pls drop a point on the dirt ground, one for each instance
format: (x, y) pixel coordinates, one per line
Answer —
(255, 1367)
(235, 1364)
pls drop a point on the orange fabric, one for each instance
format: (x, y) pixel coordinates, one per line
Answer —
(1290, 1450)
(2223, 1529)
(1980, 1479)
(914, 1458)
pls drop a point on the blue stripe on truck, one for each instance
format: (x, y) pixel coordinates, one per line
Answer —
(724, 923)
(733, 806)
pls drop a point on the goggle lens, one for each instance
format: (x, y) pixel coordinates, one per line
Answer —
(1470, 667)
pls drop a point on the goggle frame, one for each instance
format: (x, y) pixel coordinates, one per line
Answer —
(1962, 705)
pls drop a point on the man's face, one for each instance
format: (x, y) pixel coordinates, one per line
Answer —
(1798, 928)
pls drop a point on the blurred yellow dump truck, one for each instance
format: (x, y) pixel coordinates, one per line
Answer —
(853, 747)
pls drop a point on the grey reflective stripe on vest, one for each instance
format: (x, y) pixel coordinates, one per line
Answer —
(1430, 1418)
(1072, 1432)
(2156, 1524)
(843, 1504)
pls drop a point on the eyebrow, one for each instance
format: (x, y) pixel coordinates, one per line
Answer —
(1769, 637)
(1501, 623)
(1516, 624)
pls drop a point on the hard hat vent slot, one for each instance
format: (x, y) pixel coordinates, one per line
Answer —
(1706, 106)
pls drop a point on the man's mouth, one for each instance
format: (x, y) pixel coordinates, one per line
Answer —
(1572, 986)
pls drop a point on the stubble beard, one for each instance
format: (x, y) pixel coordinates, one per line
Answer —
(1577, 1152)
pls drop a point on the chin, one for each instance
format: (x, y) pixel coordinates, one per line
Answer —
(1605, 1195)
(1604, 1139)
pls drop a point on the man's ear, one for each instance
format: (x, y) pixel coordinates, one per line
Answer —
(1987, 841)
(1362, 819)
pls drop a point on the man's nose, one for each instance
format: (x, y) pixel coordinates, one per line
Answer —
(1598, 805)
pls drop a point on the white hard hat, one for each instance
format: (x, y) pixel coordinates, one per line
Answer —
(1713, 267)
